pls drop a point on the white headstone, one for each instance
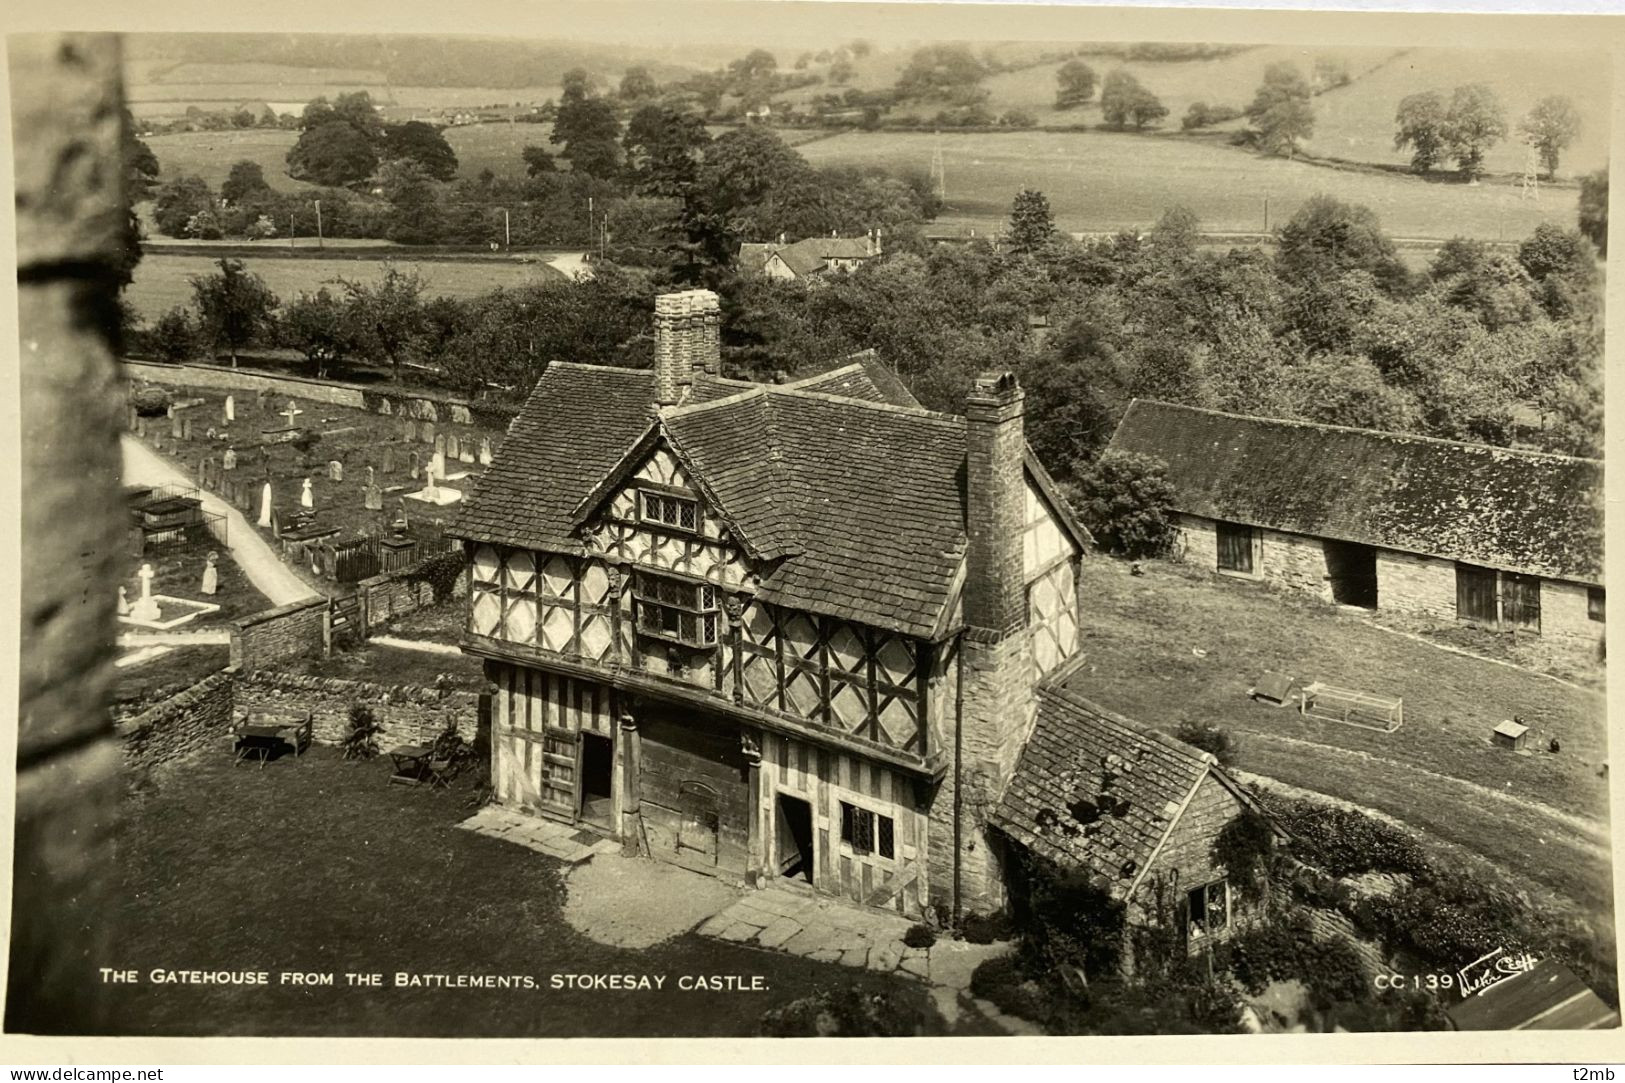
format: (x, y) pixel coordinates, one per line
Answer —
(306, 498)
(485, 451)
(211, 576)
(265, 506)
(123, 602)
(231, 408)
(437, 466)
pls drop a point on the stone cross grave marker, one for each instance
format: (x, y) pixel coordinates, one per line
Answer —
(291, 412)
(307, 499)
(146, 607)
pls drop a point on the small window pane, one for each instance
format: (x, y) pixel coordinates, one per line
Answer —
(886, 836)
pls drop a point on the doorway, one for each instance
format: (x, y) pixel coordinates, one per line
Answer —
(1352, 569)
(795, 835)
(597, 779)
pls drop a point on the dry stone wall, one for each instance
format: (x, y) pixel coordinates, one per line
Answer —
(181, 725)
(408, 715)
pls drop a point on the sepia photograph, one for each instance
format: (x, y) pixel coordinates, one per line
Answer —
(747, 519)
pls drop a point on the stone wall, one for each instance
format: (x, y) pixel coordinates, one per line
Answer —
(181, 725)
(1566, 629)
(1425, 586)
(288, 631)
(1295, 561)
(385, 597)
(225, 379)
(67, 106)
(408, 715)
(1188, 852)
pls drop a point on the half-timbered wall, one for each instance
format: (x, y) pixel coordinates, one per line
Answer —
(536, 724)
(548, 601)
(834, 674)
(824, 779)
(1050, 567)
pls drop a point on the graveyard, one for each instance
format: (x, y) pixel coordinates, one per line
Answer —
(1179, 645)
(324, 483)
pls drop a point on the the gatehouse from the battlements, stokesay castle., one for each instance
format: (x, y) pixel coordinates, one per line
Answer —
(791, 631)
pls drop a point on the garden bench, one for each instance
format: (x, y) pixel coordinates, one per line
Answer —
(263, 734)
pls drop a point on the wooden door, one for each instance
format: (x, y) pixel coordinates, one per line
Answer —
(1520, 601)
(559, 753)
(1476, 594)
(1235, 547)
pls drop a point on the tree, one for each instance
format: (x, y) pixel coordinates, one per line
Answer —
(663, 149)
(357, 110)
(587, 130)
(1593, 218)
(1075, 84)
(245, 179)
(1550, 127)
(1551, 250)
(174, 337)
(387, 316)
(1422, 123)
(414, 201)
(234, 306)
(939, 71)
(335, 154)
(1126, 501)
(1331, 72)
(140, 163)
(577, 84)
(1342, 390)
(537, 161)
(1280, 110)
(424, 144)
(1031, 225)
(638, 85)
(318, 326)
(178, 202)
(1124, 102)
(1475, 123)
(754, 67)
(1328, 238)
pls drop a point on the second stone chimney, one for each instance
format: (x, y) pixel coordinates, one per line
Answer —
(687, 340)
(996, 490)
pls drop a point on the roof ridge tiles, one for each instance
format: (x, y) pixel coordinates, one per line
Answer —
(910, 411)
(1377, 433)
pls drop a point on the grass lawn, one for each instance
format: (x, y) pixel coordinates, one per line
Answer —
(178, 571)
(1112, 180)
(1541, 815)
(142, 686)
(211, 155)
(443, 623)
(163, 281)
(382, 664)
(318, 865)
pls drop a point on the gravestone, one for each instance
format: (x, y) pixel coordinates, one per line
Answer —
(485, 451)
(429, 413)
(388, 466)
(460, 415)
(385, 408)
(440, 446)
(414, 465)
(437, 466)
(454, 446)
(408, 429)
(267, 512)
(307, 499)
(175, 424)
(186, 428)
(211, 575)
(373, 497)
(426, 432)
(228, 461)
(335, 470)
(231, 409)
(132, 419)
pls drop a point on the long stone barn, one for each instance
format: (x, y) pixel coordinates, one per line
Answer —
(1507, 539)
(789, 631)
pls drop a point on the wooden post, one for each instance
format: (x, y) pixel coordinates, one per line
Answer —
(750, 743)
(631, 765)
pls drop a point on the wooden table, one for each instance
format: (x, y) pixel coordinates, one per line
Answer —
(409, 763)
(264, 738)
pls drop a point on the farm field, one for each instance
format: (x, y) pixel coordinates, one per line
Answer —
(163, 281)
(211, 155)
(1112, 180)
(1540, 816)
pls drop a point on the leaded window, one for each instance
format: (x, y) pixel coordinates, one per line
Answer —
(668, 510)
(677, 610)
(1209, 910)
(867, 832)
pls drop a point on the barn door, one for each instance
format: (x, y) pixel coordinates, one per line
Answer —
(1235, 547)
(1520, 601)
(1475, 594)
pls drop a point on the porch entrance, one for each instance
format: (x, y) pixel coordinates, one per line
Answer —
(597, 780)
(794, 830)
(1352, 569)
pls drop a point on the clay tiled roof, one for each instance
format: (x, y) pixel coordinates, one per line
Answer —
(1521, 511)
(864, 376)
(1096, 791)
(574, 428)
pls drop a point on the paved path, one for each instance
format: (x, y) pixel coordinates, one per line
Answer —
(260, 562)
(571, 845)
(423, 645)
(211, 637)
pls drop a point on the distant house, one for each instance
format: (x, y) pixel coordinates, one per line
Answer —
(809, 259)
(1502, 538)
(1136, 811)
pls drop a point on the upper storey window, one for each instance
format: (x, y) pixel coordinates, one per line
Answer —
(668, 510)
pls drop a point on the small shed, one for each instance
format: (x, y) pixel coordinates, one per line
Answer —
(1548, 996)
(1511, 734)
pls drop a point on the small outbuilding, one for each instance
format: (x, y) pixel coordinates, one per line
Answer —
(1511, 734)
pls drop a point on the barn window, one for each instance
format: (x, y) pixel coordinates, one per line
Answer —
(676, 610)
(867, 832)
(1208, 910)
(668, 510)
(1236, 547)
(1596, 603)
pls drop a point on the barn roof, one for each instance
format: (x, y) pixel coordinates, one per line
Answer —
(855, 505)
(1100, 792)
(1521, 511)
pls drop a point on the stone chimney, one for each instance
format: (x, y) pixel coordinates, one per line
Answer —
(996, 488)
(997, 693)
(687, 340)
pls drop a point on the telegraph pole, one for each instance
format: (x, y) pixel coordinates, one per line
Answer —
(318, 222)
(507, 233)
